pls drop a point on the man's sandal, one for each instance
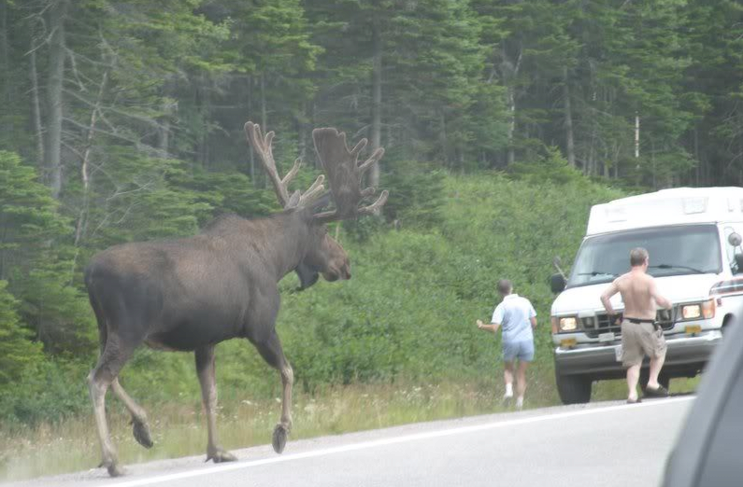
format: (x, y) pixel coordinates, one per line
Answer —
(634, 401)
(660, 391)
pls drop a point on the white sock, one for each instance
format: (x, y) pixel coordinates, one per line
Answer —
(509, 390)
(520, 402)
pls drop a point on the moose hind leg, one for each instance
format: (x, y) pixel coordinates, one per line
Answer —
(140, 427)
(272, 352)
(205, 369)
(100, 378)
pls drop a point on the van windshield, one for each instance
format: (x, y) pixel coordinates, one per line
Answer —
(673, 251)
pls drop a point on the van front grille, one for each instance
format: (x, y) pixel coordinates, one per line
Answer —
(593, 326)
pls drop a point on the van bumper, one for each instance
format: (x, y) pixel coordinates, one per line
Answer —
(685, 356)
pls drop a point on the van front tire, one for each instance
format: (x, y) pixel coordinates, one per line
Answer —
(573, 389)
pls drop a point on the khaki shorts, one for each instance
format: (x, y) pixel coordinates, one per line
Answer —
(639, 340)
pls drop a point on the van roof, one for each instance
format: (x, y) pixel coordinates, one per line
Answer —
(675, 206)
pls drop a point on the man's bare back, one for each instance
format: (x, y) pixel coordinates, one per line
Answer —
(639, 294)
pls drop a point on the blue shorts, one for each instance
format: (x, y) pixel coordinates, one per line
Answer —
(523, 350)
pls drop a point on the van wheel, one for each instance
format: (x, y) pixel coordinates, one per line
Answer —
(573, 389)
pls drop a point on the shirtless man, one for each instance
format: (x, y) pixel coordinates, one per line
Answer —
(640, 335)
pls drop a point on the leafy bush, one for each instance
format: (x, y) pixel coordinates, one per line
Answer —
(48, 392)
(550, 168)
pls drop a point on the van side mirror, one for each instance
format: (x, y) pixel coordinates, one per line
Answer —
(739, 263)
(557, 283)
(735, 239)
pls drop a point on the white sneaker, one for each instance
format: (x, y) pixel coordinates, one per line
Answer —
(507, 397)
(519, 403)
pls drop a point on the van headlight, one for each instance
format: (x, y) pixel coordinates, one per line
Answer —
(568, 323)
(705, 310)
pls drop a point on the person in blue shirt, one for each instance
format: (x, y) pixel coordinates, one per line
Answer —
(516, 316)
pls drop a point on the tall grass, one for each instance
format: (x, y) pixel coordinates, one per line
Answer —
(180, 430)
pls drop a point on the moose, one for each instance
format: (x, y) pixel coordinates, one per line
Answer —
(192, 293)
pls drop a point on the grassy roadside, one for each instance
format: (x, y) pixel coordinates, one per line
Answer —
(179, 429)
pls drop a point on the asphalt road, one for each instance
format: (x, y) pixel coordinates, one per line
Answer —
(596, 445)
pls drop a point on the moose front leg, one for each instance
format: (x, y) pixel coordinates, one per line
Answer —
(205, 369)
(272, 352)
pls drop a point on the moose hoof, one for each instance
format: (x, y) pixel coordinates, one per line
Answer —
(220, 456)
(114, 470)
(142, 434)
(280, 434)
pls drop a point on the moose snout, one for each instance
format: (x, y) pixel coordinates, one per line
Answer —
(342, 272)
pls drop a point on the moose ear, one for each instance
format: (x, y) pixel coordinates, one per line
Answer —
(294, 200)
(319, 204)
(307, 277)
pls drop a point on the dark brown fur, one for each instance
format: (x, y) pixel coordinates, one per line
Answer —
(190, 294)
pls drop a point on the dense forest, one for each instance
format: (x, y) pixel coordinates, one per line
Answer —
(122, 121)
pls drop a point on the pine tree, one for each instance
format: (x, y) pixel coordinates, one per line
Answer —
(714, 91)
(17, 352)
(37, 261)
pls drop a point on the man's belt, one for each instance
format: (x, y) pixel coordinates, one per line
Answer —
(639, 321)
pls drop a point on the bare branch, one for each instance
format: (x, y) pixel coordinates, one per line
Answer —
(123, 113)
(73, 64)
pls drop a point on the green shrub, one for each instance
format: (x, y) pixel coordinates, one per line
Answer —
(416, 193)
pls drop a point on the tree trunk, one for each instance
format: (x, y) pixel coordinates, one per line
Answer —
(444, 137)
(510, 75)
(698, 168)
(376, 127)
(36, 105)
(569, 143)
(5, 53)
(84, 172)
(652, 165)
(301, 128)
(592, 159)
(264, 115)
(637, 135)
(511, 125)
(206, 109)
(53, 152)
(264, 123)
(163, 126)
(251, 156)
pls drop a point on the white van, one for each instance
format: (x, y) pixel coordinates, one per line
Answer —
(693, 236)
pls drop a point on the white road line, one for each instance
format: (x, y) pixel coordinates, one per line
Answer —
(391, 441)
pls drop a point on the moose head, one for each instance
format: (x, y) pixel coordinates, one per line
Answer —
(324, 255)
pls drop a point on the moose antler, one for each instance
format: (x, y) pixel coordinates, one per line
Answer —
(344, 175)
(262, 146)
